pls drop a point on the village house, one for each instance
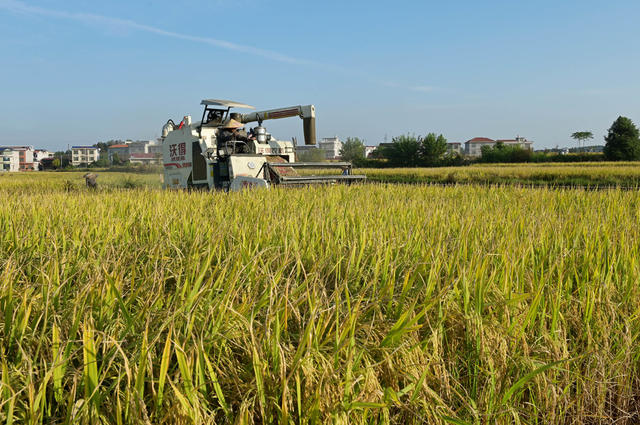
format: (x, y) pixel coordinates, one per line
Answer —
(331, 147)
(474, 146)
(84, 155)
(9, 160)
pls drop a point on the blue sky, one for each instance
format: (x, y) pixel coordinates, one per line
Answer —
(81, 72)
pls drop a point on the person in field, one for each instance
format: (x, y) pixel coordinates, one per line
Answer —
(90, 179)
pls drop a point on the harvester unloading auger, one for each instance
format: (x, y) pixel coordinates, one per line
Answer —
(216, 154)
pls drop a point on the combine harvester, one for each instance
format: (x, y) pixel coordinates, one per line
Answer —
(216, 153)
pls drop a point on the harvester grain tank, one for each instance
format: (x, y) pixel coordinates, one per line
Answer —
(215, 153)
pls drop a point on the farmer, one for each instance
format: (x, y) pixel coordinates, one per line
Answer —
(232, 130)
(90, 179)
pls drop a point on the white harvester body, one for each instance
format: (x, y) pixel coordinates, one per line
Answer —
(208, 154)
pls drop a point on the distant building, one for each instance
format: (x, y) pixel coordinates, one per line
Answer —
(137, 147)
(454, 147)
(474, 146)
(40, 154)
(305, 148)
(518, 141)
(25, 157)
(368, 150)
(154, 148)
(84, 155)
(9, 160)
(331, 147)
(141, 151)
(144, 146)
(121, 152)
(144, 158)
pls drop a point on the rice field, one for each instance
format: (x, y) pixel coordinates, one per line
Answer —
(350, 304)
(625, 174)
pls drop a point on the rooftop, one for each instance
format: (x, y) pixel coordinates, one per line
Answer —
(18, 148)
(118, 146)
(480, 140)
(513, 140)
(83, 147)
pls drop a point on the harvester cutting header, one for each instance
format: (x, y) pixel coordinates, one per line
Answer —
(217, 153)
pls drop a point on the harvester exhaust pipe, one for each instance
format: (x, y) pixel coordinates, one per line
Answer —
(306, 112)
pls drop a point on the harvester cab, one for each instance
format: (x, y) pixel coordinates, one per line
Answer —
(217, 153)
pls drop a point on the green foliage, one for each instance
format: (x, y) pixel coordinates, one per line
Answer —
(115, 159)
(622, 141)
(432, 149)
(504, 153)
(102, 162)
(403, 151)
(311, 155)
(582, 135)
(104, 146)
(64, 158)
(352, 150)
(411, 151)
(567, 158)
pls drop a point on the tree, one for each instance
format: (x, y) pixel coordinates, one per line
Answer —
(115, 159)
(581, 136)
(64, 158)
(432, 148)
(504, 153)
(352, 150)
(404, 151)
(622, 141)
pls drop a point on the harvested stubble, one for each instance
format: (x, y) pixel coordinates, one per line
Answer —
(363, 304)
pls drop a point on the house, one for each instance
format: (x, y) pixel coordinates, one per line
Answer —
(474, 146)
(154, 148)
(454, 147)
(331, 147)
(84, 155)
(368, 150)
(144, 158)
(9, 160)
(518, 141)
(144, 146)
(141, 151)
(25, 157)
(119, 152)
(40, 154)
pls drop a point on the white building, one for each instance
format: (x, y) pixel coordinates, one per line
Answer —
(25, 157)
(368, 150)
(84, 155)
(474, 146)
(331, 147)
(40, 154)
(144, 158)
(9, 160)
(454, 147)
(143, 151)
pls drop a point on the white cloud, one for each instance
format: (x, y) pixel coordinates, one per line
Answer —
(106, 21)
